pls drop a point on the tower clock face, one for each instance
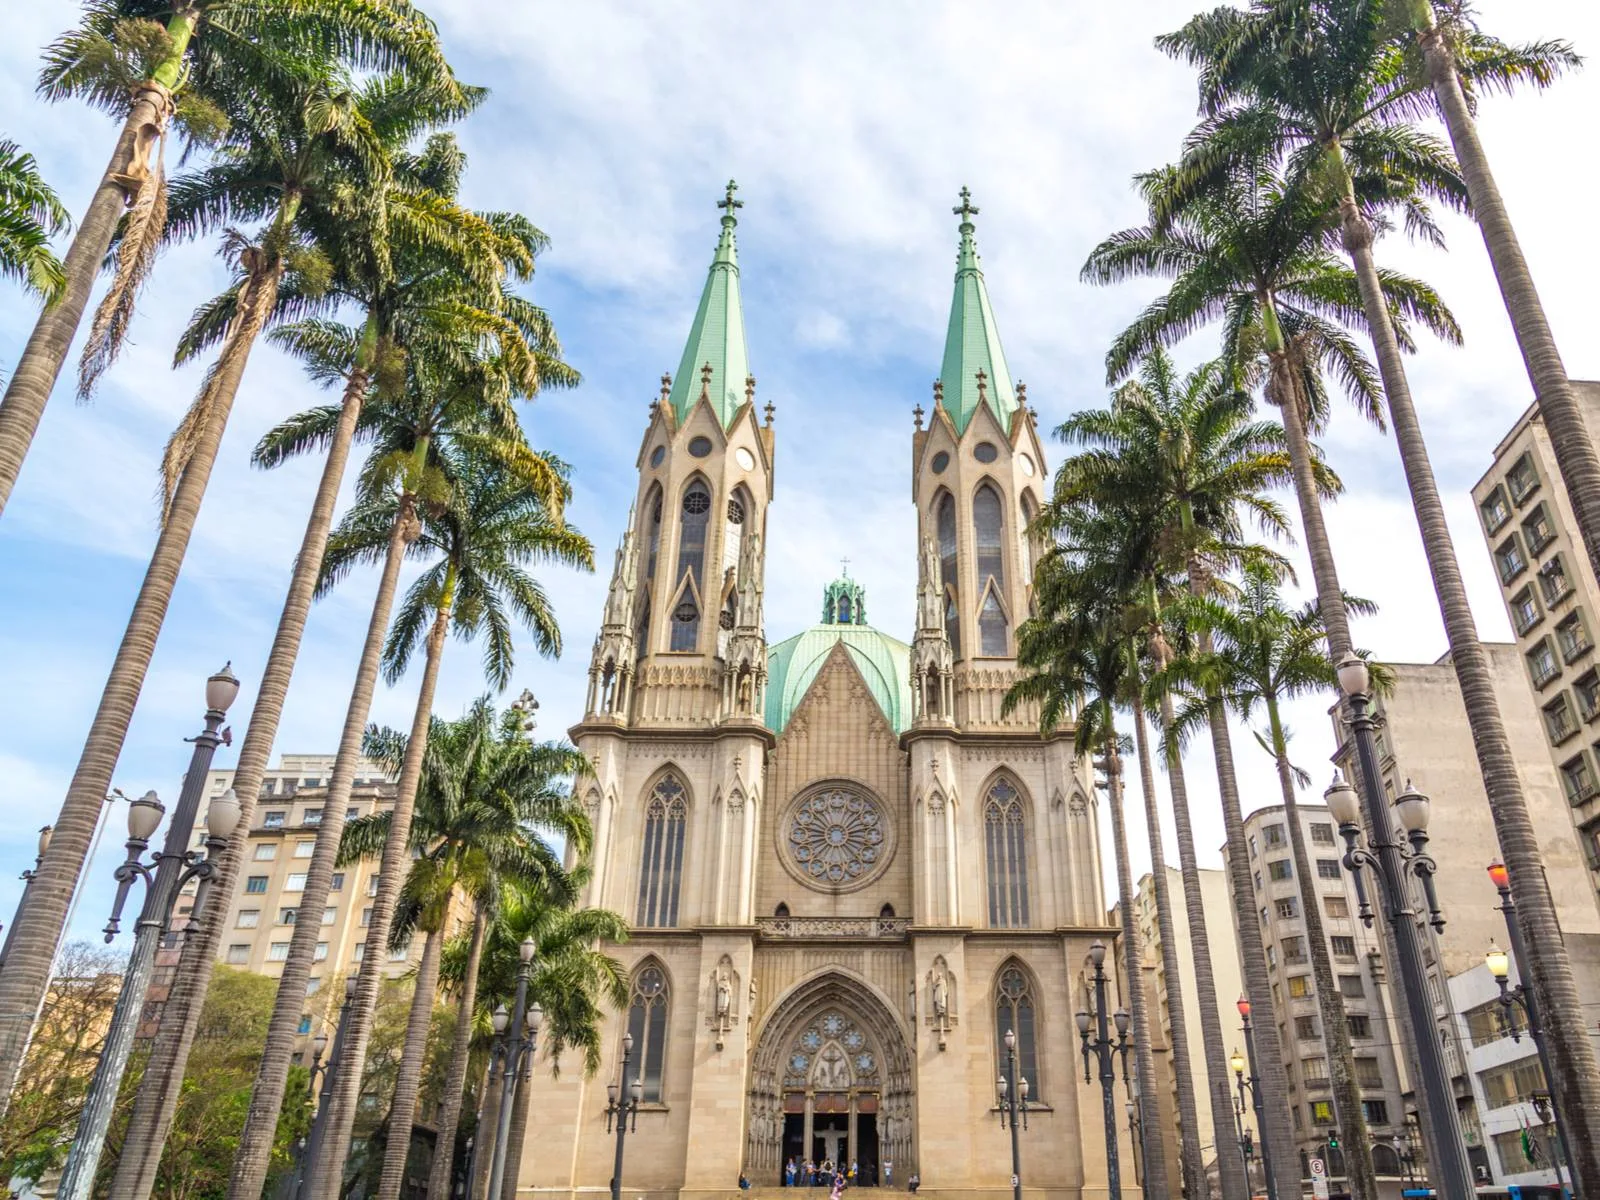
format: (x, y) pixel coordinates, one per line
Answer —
(745, 459)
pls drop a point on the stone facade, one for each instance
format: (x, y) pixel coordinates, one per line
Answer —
(846, 870)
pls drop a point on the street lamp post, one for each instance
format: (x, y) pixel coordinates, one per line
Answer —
(1395, 866)
(27, 886)
(1137, 1134)
(330, 1077)
(1252, 1086)
(1105, 1050)
(511, 1069)
(622, 1102)
(1521, 996)
(1013, 1089)
(164, 878)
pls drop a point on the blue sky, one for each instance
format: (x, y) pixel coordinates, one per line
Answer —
(849, 128)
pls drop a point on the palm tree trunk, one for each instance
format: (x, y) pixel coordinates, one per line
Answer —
(1230, 1168)
(1272, 1079)
(254, 1155)
(392, 871)
(408, 1079)
(1577, 1086)
(521, 1103)
(1362, 1178)
(36, 372)
(484, 1135)
(443, 1171)
(1191, 1159)
(157, 1098)
(1155, 1157)
(37, 931)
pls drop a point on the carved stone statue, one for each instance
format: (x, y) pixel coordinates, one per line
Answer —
(832, 1069)
(940, 994)
(724, 995)
(930, 613)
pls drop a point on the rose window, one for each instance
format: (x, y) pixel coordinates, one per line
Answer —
(836, 836)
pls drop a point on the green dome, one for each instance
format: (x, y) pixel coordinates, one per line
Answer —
(884, 662)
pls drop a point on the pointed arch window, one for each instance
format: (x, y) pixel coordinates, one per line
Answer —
(988, 526)
(692, 526)
(733, 532)
(661, 870)
(1014, 1010)
(647, 1022)
(945, 520)
(1029, 545)
(652, 533)
(1005, 842)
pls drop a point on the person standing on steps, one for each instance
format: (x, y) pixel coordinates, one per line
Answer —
(888, 1172)
(914, 1182)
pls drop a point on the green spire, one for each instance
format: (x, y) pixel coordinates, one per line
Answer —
(717, 336)
(972, 343)
(844, 601)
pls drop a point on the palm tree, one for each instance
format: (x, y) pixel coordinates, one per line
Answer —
(1273, 83)
(485, 791)
(153, 64)
(1263, 655)
(1186, 456)
(1456, 93)
(483, 528)
(29, 213)
(1077, 658)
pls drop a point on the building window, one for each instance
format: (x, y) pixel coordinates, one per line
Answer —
(1314, 1073)
(1271, 836)
(1572, 637)
(304, 849)
(1485, 1023)
(1005, 835)
(693, 524)
(295, 882)
(1288, 908)
(1542, 663)
(360, 951)
(1522, 479)
(265, 851)
(1509, 559)
(1327, 868)
(1321, 833)
(277, 951)
(1553, 581)
(1512, 1083)
(255, 885)
(661, 869)
(1258, 880)
(366, 917)
(1577, 780)
(1299, 986)
(647, 1022)
(249, 918)
(1280, 869)
(1496, 512)
(272, 820)
(989, 527)
(336, 884)
(1512, 1150)
(1305, 1029)
(1343, 947)
(286, 916)
(330, 915)
(1559, 723)
(1252, 845)
(1277, 996)
(1321, 1112)
(1272, 951)
(1351, 986)
(313, 986)
(1537, 530)
(1525, 612)
(313, 816)
(238, 955)
(1336, 906)
(1587, 689)
(320, 954)
(1375, 1111)
(372, 886)
(946, 522)
(1014, 1011)
(1360, 1026)
(401, 952)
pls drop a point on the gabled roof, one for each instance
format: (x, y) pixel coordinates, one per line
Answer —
(972, 341)
(717, 336)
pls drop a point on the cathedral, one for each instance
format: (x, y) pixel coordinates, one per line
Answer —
(848, 873)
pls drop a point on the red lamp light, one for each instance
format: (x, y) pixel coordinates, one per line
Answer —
(1244, 1007)
(1499, 876)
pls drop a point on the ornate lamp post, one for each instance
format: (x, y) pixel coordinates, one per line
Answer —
(1253, 1089)
(1521, 996)
(1105, 1050)
(622, 1103)
(164, 878)
(27, 886)
(1395, 866)
(330, 1076)
(1137, 1134)
(512, 1067)
(1013, 1090)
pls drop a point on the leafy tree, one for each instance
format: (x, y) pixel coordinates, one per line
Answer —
(29, 214)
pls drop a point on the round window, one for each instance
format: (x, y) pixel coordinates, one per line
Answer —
(941, 460)
(697, 502)
(745, 459)
(1027, 465)
(699, 446)
(657, 455)
(984, 452)
(735, 513)
(835, 838)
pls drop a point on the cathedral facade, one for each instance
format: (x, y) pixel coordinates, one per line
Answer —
(848, 872)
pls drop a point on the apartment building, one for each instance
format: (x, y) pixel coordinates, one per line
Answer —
(1553, 600)
(1224, 945)
(1358, 965)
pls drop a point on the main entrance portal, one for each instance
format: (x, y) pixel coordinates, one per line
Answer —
(831, 1084)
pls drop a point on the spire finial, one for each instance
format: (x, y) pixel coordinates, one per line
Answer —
(916, 415)
(938, 392)
(705, 382)
(728, 203)
(749, 389)
(966, 210)
(844, 564)
(666, 387)
(983, 386)
(769, 410)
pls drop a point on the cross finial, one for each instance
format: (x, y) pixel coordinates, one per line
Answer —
(705, 382)
(983, 385)
(769, 412)
(749, 389)
(938, 391)
(728, 203)
(967, 210)
(845, 564)
(916, 414)
(666, 387)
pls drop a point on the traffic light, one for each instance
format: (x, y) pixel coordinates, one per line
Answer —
(1333, 1142)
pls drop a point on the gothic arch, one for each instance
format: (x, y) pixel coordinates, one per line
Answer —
(1017, 1008)
(649, 1021)
(696, 580)
(1010, 825)
(664, 808)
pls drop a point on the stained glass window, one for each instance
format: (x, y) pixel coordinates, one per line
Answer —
(647, 1022)
(661, 871)
(1006, 857)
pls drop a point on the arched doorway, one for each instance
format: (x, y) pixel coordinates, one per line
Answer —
(831, 1079)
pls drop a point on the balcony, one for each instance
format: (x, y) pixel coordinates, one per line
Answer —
(891, 929)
